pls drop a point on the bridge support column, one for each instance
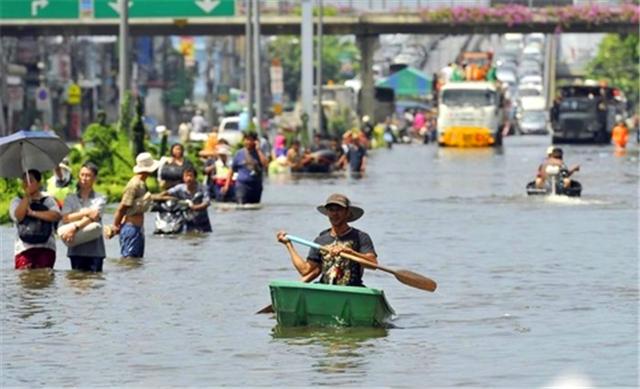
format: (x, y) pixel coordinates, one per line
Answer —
(368, 45)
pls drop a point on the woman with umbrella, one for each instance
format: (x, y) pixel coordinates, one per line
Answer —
(34, 214)
(25, 154)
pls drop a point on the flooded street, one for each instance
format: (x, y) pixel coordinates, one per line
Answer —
(530, 289)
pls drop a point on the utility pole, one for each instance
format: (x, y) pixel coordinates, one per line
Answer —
(257, 64)
(4, 127)
(248, 62)
(306, 40)
(319, 66)
(123, 84)
(210, 80)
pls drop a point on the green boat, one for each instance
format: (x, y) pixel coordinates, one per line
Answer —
(299, 304)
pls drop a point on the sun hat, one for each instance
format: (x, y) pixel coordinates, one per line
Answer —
(341, 200)
(145, 163)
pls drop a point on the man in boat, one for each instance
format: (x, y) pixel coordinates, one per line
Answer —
(340, 238)
(555, 159)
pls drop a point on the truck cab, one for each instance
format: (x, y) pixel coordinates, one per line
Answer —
(470, 114)
(585, 114)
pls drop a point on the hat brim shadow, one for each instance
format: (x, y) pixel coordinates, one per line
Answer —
(355, 213)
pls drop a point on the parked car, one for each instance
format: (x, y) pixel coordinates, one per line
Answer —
(229, 130)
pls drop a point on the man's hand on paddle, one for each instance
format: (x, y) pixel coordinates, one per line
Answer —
(282, 237)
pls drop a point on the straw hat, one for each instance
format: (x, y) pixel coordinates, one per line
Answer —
(355, 213)
(145, 163)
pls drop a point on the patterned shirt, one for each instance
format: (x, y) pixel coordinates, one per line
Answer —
(133, 195)
(338, 270)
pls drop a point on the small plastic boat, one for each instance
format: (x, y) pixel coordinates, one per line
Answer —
(299, 304)
(574, 190)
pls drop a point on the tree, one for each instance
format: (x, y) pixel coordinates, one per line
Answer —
(617, 63)
(336, 51)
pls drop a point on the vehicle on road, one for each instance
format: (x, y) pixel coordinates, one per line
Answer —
(532, 116)
(229, 130)
(585, 114)
(470, 114)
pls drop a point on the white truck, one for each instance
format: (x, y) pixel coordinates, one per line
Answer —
(470, 114)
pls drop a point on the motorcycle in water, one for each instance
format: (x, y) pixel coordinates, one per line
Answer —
(554, 184)
(173, 214)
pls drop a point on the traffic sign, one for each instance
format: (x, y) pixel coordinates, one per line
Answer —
(166, 8)
(74, 94)
(43, 102)
(39, 9)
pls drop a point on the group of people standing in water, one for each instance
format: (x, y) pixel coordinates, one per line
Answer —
(72, 210)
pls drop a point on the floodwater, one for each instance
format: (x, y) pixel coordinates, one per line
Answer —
(532, 291)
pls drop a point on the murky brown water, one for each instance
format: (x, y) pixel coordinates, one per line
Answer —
(530, 290)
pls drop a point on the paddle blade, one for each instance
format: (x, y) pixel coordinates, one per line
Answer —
(416, 280)
(267, 309)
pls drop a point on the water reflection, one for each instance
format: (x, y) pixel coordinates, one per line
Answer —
(342, 349)
(127, 263)
(84, 281)
(31, 307)
(36, 278)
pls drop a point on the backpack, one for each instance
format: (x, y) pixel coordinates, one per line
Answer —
(33, 230)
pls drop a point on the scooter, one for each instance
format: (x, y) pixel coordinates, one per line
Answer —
(173, 214)
(554, 184)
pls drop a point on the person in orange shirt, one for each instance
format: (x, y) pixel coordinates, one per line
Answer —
(620, 135)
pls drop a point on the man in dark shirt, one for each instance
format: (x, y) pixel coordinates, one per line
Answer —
(356, 156)
(340, 238)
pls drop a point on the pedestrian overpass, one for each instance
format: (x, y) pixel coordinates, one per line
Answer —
(364, 24)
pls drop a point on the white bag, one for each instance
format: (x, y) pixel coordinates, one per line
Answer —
(91, 231)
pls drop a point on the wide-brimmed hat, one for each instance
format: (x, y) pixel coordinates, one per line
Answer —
(341, 200)
(145, 163)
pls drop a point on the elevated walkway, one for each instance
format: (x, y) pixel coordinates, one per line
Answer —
(367, 24)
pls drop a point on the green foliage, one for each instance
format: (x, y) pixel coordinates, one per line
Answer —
(617, 62)
(9, 188)
(110, 150)
(335, 51)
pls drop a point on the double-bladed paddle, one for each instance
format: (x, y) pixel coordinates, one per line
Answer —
(407, 277)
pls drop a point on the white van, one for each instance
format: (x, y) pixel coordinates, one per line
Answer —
(229, 130)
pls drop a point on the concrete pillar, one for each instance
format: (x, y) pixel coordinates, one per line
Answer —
(368, 45)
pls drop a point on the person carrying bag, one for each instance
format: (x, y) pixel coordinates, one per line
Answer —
(34, 215)
(82, 215)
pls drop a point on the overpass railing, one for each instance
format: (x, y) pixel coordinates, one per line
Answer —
(509, 12)
(360, 7)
